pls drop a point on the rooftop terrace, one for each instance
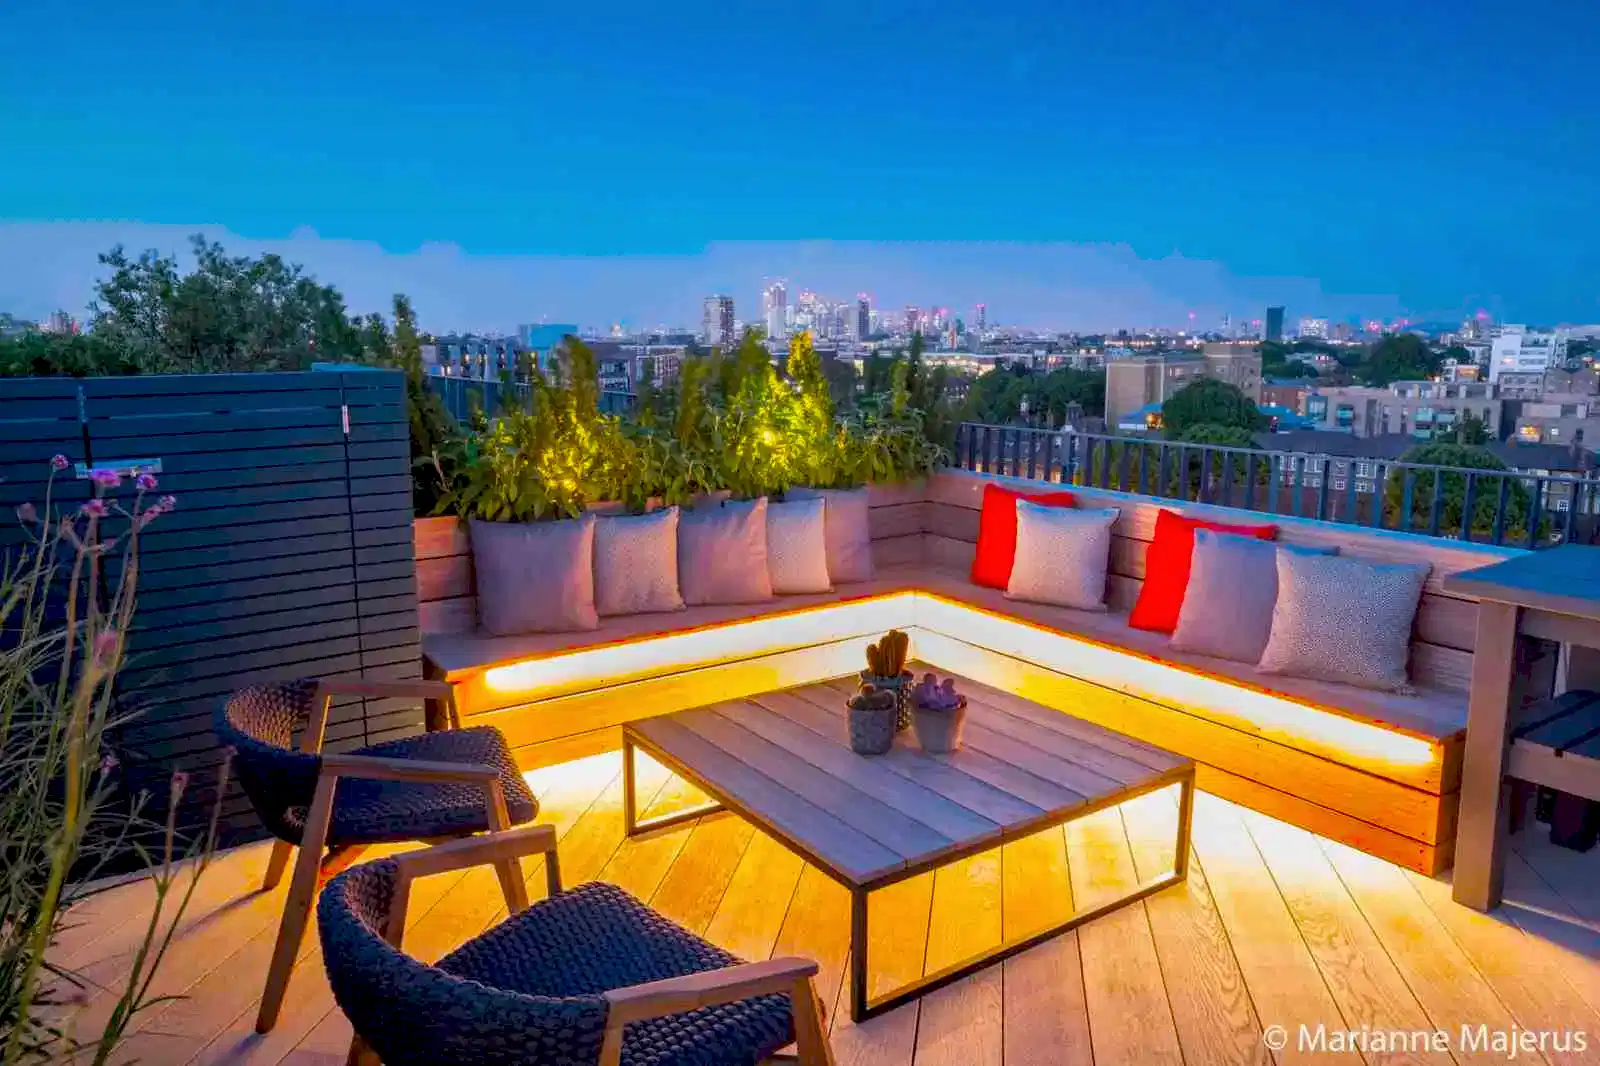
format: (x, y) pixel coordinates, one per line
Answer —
(1274, 927)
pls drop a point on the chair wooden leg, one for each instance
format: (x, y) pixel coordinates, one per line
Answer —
(508, 870)
(810, 1035)
(361, 1053)
(297, 908)
(277, 863)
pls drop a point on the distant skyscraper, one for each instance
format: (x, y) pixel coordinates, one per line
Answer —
(774, 308)
(716, 325)
(1274, 324)
(982, 318)
(913, 318)
(863, 323)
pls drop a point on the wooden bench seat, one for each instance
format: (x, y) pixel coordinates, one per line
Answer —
(1377, 770)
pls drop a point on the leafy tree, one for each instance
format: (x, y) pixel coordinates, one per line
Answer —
(1213, 433)
(1402, 357)
(1453, 492)
(1209, 401)
(1294, 368)
(38, 355)
(1472, 430)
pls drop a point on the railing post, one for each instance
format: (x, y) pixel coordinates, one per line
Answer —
(1049, 448)
(1535, 510)
(1500, 509)
(1274, 475)
(1227, 479)
(1351, 502)
(1468, 503)
(1033, 440)
(1122, 468)
(1380, 493)
(1435, 506)
(1204, 493)
(1323, 487)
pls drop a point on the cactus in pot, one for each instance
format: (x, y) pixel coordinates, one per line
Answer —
(886, 669)
(940, 715)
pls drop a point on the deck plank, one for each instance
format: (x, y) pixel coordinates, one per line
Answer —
(1279, 972)
(1045, 1019)
(1129, 1016)
(1359, 973)
(1212, 1011)
(1444, 980)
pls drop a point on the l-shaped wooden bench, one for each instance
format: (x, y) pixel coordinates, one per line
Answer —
(1375, 770)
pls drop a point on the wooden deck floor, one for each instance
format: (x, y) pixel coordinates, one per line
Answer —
(1274, 927)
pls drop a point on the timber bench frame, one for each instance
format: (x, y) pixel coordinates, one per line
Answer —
(1378, 771)
(780, 762)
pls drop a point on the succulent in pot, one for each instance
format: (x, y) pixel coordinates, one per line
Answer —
(886, 669)
(873, 712)
(940, 714)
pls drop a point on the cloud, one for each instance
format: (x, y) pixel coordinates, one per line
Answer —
(50, 265)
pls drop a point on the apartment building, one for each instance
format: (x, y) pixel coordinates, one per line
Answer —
(1138, 380)
(1417, 409)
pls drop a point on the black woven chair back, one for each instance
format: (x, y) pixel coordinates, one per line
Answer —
(259, 723)
(418, 1015)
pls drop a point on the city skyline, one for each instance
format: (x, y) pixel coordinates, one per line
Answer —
(1376, 156)
(46, 267)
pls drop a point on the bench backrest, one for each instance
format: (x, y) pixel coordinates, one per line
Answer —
(446, 602)
(1446, 629)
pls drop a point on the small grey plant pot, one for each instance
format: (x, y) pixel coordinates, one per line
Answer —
(902, 687)
(939, 732)
(872, 729)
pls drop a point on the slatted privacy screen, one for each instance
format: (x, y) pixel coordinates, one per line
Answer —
(288, 555)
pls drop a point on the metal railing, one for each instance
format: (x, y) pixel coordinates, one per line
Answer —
(462, 396)
(1485, 506)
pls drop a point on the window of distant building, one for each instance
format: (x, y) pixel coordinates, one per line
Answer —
(1530, 434)
(1366, 468)
(1338, 484)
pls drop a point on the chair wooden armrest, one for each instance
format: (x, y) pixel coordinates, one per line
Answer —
(674, 995)
(418, 688)
(479, 851)
(380, 768)
(441, 693)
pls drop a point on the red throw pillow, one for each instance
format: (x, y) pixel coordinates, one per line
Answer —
(1166, 567)
(997, 532)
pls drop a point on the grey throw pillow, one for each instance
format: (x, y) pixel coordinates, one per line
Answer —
(636, 563)
(1341, 619)
(797, 547)
(849, 536)
(1062, 555)
(534, 577)
(722, 553)
(1233, 586)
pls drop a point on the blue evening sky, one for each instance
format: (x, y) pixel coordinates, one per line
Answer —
(593, 161)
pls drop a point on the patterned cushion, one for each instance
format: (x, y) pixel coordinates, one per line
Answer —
(1233, 585)
(997, 531)
(529, 990)
(797, 546)
(636, 563)
(1340, 619)
(722, 553)
(1062, 555)
(849, 536)
(535, 577)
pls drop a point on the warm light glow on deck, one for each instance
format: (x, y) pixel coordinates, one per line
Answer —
(612, 664)
(1274, 717)
(964, 639)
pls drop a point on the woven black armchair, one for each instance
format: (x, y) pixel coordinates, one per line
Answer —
(587, 977)
(438, 785)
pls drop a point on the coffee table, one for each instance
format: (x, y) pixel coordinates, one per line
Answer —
(781, 761)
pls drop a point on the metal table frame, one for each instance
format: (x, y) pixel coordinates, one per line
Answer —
(861, 1006)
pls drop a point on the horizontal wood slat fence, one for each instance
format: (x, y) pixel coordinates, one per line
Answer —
(289, 553)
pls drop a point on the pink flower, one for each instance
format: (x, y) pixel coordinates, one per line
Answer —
(27, 513)
(58, 462)
(167, 503)
(106, 479)
(150, 515)
(179, 782)
(146, 482)
(105, 646)
(108, 763)
(95, 508)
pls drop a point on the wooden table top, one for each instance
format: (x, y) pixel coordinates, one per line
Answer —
(782, 759)
(1562, 580)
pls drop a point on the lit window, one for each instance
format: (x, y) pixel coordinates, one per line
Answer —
(1338, 484)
